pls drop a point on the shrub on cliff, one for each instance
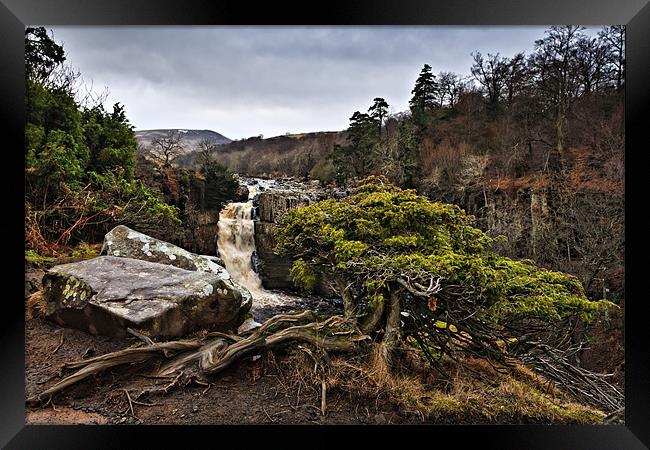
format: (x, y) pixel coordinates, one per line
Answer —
(220, 185)
(409, 268)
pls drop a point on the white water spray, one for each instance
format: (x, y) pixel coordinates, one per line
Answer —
(236, 244)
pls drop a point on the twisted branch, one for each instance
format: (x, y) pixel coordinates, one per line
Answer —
(204, 357)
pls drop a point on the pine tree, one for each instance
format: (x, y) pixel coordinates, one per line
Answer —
(423, 101)
(378, 111)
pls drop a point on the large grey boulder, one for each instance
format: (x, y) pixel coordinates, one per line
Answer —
(107, 294)
(127, 243)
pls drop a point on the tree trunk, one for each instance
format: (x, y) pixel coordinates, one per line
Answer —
(349, 303)
(393, 329)
(373, 320)
(560, 128)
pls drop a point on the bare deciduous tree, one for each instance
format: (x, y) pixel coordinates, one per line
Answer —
(450, 86)
(614, 39)
(205, 149)
(167, 148)
(491, 73)
(555, 67)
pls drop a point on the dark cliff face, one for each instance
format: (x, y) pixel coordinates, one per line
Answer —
(271, 206)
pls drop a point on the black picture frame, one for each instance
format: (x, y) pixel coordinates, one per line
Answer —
(16, 14)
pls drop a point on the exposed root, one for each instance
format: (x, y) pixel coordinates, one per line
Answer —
(206, 356)
(140, 336)
(323, 398)
(473, 390)
(128, 397)
(60, 342)
(95, 365)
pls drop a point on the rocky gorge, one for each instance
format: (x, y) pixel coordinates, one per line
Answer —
(162, 290)
(270, 206)
(223, 305)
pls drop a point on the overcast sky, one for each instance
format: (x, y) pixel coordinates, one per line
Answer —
(245, 81)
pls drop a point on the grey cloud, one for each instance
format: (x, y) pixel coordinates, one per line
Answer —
(242, 81)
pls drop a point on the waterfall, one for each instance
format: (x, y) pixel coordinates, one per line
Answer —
(236, 243)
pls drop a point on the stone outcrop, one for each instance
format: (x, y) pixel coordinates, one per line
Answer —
(271, 206)
(107, 294)
(122, 241)
(202, 237)
(272, 269)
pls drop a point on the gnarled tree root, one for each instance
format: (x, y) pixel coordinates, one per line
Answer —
(209, 355)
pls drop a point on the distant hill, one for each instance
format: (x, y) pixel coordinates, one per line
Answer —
(191, 138)
(279, 155)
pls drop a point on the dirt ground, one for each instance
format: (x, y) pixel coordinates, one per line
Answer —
(257, 390)
(253, 392)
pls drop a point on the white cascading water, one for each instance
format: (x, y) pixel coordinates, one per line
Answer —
(236, 244)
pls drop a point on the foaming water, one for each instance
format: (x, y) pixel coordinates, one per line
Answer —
(236, 244)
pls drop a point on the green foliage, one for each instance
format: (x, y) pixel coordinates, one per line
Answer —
(55, 151)
(42, 54)
(32, 257)
(354, 159)
(423, 102)
(381, 234)
(378, 111)
(79, 161)
(410, 137)
(358, 158)
(323, 171)
(86, 251)
(304, 275)
(59, 161)
(110, 139)
(130, 201)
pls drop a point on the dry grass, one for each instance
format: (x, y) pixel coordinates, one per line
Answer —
(475, 392)
(33, 235)
(585, 175)
(36, 304)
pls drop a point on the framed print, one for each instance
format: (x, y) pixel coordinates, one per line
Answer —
(369, 217)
